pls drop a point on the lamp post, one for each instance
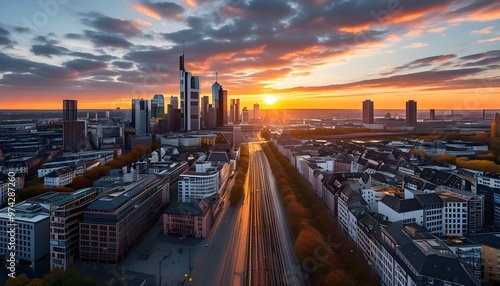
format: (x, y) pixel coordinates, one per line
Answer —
(159, 270)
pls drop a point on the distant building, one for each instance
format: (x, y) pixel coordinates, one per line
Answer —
(244, 115)
(411, 113)
(190, 99)
(74, 131)
(368, 112)
(174, 101)
(204, 110)
(234, 111)
(158, 106)
(432, 115)
(141, 115)
(256, 111)
(495, 127)
(236, 137)
(174, 120)
(211, 122)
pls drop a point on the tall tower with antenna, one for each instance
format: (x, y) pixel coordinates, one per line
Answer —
(190, 97)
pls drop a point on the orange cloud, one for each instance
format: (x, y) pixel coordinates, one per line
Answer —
(415, 45)
(191, 3)
(142, 23)
(484, 31)
(146, 10)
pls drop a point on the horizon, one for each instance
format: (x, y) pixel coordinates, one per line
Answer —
(282, 55)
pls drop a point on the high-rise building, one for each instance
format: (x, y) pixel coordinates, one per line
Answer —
(256, 112)
(158, 106)
(216, 88)
(222, 108)
(368, 112)
(141, 115)
(244, 115)
(190, 99)
(236, 137)
(174, 101)
(235, 111)
(204, 110)
(74, 131)
(433, 114)
(495, 127)
(411, 113)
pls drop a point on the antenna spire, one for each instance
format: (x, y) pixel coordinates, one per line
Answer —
(215, 76)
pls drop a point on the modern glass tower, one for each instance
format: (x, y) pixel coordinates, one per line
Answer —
(190, 99)
(158, 106)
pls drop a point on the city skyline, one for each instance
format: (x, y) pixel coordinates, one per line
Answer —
(292, 55)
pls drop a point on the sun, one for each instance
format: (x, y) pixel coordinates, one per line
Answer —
(270, 100)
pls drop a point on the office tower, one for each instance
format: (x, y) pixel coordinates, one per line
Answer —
(174, 120)
(256, 108)
(141, 115)
(234, 111)
(190, 99)
(244, 115)
(74, 131)
(70, 110)
(216, 87)
(211, 117)
(433, 114)
(204, 110)
(222, 108)
(411, 113)
(368, 112)
(158, 106)
(174, 101)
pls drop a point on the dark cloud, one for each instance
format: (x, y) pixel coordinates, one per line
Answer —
(83, 65)
(74, 36)
(107, 40)
(21, 66)
(4, 32)
(166, 10)
(423, 62)
(4, 41)
(110, 25)
(123, 64)
(89, 56)
(489, 59)
(45, 40)
(258, 10)
(21, 30)
(48, 50)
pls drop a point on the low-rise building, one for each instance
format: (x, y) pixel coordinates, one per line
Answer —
(59, 177)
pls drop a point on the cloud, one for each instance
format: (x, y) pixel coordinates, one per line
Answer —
(423, 62)
(123, 64)
(489, 40)
(26, 67)
(107, 40)
(48, 50)
(481, 59)
(111, 25)
(83, 65)
(415, 45)
(74, 36)
(4, 32)
(484, 31)
(159, 10)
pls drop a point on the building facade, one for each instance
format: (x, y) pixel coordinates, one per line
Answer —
(368, 112)
(190, 99)
(141, 116)
(411, 113)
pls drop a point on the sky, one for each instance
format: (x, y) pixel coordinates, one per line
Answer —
(316, 54)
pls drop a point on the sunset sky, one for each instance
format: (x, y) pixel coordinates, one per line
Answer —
(299, 53)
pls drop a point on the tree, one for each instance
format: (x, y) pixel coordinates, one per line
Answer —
(337, 277)
(20, 280)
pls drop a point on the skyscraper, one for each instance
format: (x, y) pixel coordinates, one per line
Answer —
(216, 87)
(411, 113)
(244, 115)
(368, 112)
(74, 131)
(234, 111)
(256, 113)
(174, 101)
(432, 114)
(204, 110)
(158, 106)
(190, 99)
(219, 101)
(141, 115)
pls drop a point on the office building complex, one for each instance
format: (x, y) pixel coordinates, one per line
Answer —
(31, 232)
(114, 224)
(190, 99)
(158, 106)
(368, 112)
(411, 113)
(141, 115)
(65, 213)
(74, 131)
(202, 182)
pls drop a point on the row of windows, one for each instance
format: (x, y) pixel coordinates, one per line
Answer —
(18, 225)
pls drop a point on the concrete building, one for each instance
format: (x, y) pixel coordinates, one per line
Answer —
(114, 224)
(31, 232)
(60, 177)
(190, 99)
(411, 113)
(256, 111)
(203, 182)
(368, 112)
(234, 111)
(65, 213)
(245, 116)
(490, 255)
(74, 131)
(141, 116)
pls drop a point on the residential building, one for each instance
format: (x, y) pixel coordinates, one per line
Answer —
(59, 177)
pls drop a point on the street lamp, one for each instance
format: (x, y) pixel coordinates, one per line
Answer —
(159, 270)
